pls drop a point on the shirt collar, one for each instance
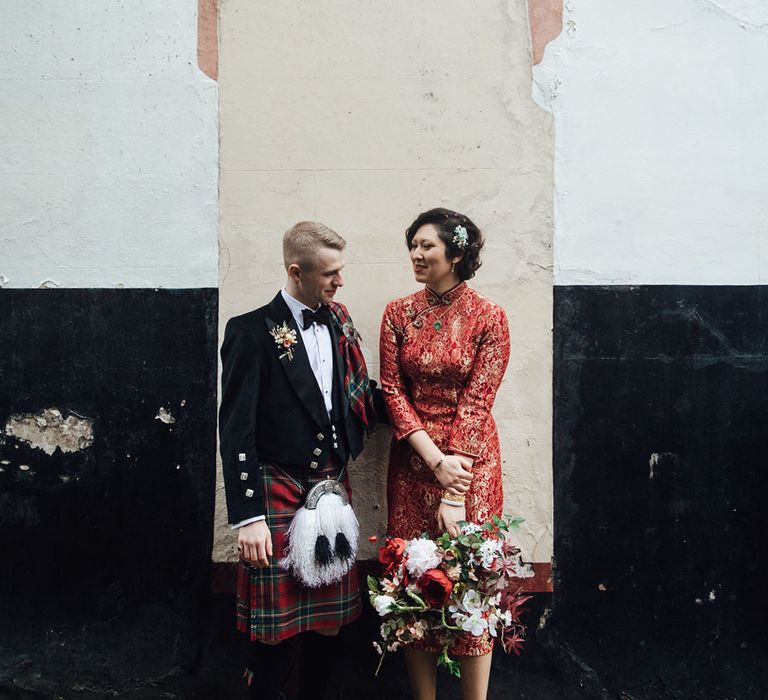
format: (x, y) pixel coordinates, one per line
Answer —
(295, 306)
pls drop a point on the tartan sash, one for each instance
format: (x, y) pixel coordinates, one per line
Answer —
(356, 383)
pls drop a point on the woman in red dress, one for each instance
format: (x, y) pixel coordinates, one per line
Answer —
(444, 350)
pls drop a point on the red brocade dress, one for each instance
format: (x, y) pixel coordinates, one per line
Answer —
(442, 361)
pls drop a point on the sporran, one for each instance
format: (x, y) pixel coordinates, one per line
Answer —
(322, 537)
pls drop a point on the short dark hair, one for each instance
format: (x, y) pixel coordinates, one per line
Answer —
(445, 221)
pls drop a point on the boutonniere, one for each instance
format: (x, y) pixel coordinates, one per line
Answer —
(350, 332)
(285, 338)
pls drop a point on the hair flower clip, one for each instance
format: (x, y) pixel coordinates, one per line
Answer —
(460, 237)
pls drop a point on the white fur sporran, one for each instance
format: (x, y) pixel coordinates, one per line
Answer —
(322, 537)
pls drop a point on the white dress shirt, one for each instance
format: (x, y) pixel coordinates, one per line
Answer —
(317, 341)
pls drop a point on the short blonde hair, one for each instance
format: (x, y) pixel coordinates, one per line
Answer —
(301, 243)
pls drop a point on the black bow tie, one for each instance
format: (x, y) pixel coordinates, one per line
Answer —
(322, 315)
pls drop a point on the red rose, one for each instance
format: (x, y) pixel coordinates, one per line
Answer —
(436, 587)
(391, 554)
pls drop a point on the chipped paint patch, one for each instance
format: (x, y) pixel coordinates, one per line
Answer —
(546, 20)
(653, 462)
(165, 415)
(48, 431)
(208, 38)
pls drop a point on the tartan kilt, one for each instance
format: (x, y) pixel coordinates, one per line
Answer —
(271, 604)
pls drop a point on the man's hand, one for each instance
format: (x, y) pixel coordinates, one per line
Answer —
(449, 517)
(453, 473)
(255, 543)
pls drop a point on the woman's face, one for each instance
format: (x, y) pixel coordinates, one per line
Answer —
(430, 264)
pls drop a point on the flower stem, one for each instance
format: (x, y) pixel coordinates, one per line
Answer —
(445, 622)
(381, 661)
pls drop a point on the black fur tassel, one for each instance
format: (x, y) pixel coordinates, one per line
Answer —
(323, 552)
(343, 550)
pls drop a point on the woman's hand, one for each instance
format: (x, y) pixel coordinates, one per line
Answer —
(453, 475)
(449, 517)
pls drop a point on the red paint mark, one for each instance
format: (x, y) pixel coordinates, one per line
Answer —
(208, 37)
(546, 20)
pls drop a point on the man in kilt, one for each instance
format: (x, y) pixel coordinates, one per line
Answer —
(295, 404)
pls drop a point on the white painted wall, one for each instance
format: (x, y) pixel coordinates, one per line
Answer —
(108, 148)
(661, 158)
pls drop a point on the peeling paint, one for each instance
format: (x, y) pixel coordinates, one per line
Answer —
(49, 284)
(165, 416)
(748, 15)
(546, 21)
(3, 281)
(48, 431)
(208, 38)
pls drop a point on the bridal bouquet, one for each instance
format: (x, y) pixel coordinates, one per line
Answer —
(449, 586)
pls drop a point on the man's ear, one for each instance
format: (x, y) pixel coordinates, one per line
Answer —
(294, 272)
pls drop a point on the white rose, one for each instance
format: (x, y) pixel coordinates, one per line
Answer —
(383, 604)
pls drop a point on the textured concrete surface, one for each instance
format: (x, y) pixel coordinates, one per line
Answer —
(362, 120)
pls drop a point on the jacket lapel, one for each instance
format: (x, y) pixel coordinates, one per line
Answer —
(296, 363)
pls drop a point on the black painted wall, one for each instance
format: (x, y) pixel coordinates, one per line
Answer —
(106, 552)
(661, 449)
(660, 523)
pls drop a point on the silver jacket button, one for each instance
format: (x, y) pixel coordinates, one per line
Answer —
(313, 465)
(243, 476)
(317, 452)
(249, 493)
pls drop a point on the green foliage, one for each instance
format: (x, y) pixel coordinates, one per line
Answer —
(444, 660)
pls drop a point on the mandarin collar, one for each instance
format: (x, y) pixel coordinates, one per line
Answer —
(446, 298)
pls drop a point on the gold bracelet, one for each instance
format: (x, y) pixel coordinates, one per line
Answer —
(454, 497)
(439, 462)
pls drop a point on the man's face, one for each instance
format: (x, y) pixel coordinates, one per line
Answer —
(318, 285)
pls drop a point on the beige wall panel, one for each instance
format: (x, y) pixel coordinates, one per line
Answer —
(362, 119)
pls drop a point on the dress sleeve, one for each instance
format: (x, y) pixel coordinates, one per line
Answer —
(476, 399)
(402, 414)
